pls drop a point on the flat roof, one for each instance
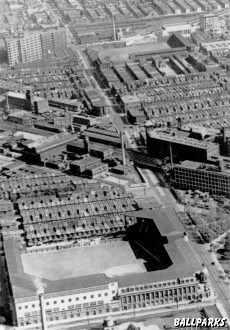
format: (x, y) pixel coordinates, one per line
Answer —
(123, 53)
(180, 139)
(183, 265)
(190, 164)
(101, 131)
(22, 96)
(85, 161)
(53, 141)
(130, 98)
(223, 170)
(166, 220)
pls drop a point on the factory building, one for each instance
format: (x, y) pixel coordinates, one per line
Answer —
(103, 136)
(42, 150)
(214, 179)
(180, 145)
(184, 29)
(27, 101)
(80, 166)
(97, 170)
(82, 147)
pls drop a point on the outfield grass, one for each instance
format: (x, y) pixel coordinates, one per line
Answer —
(113, 259)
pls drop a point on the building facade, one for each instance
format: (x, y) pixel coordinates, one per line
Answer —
(30, 48)
(35, 46)
(210, 22)
(161, 144)
(53, 40)
(27, 101)
(205, 178)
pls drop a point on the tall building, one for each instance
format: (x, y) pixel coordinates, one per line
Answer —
(53, 40)
(35, 46)
(12, 46)
(30, 48)
(180, 144)
(205, 177)
(210, 22)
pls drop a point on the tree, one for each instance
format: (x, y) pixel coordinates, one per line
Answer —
(2, 320)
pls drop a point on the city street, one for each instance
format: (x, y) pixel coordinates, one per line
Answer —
(221, 289)
(160, 196)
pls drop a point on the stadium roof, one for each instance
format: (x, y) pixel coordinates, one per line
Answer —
(184, 262)
(166, 220)
(183, 265)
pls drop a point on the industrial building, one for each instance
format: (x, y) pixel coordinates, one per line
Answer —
(107, 136)
(27, 101)
(214, 179)
(184, 29)
(180, 144)
(79, 166)
(42, 150)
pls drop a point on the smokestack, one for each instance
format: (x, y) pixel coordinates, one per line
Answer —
(86, 144)
(30, 100)
(43, 311)
(114, 28)
(224, 134)
(71, 123)
(123, 149)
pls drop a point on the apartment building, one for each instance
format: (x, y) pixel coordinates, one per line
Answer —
(53, 40)
(30, 48)
(12, 46)
(210, 22)
(35, 45)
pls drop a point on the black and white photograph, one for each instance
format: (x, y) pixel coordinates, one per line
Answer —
(114, 164)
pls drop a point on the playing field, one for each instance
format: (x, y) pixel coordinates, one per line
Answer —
(112, 259)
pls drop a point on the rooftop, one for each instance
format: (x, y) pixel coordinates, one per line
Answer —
(52, 141)
(122, 54)
(179, 138)
(224, 168)
(85, 161)
(22, 96)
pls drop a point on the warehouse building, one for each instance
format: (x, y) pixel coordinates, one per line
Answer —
(42, 150)
(103, 136)
(179, 144)
(27, 101)
(205, 177)
(80, 166)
